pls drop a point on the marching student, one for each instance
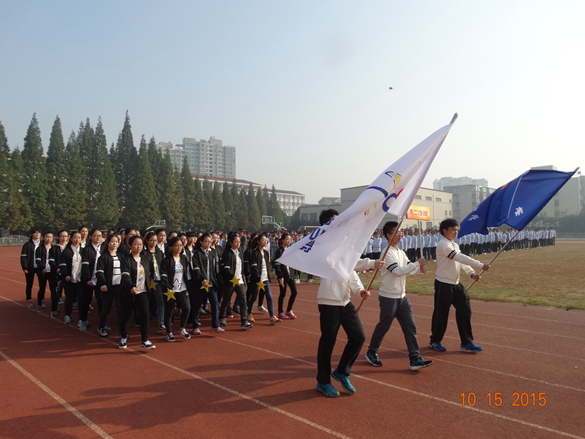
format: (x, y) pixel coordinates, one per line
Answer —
(157, 304)
(70, 268)
(124, 247)
(285, 278)
(28, 263)
(175, 274)
(336, 310)
(109, 278)
(134, 292)
(54, 261)
(83, 231)
(205, 282)
(90, 255)
(44, 269)
(233, 280)
(161, 236)
(246, 253)
(259, 276)
(394, 303)
(449, 291)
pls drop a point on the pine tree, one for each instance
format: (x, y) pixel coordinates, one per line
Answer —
(35, 170)
(57, 176)
(203, 217)
(156, 161)
(218, 208)
(254, 218)
(208, 197)
(143, 203)
(189, 197)
(228, 203)
(103, 208)
(125, 162)
(242, 210)
(4, 176)
(261, 202)
(181, 197)
(19, 215)
(73, 204)
(170, 208)
(274, 209)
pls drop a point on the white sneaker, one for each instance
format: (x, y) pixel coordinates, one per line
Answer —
(147, 345)
(185, 334)
(122, 344)
(261, 308)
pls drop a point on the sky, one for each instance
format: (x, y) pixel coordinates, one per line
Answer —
(302, 89)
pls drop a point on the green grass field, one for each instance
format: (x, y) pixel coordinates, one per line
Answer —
(551, 276)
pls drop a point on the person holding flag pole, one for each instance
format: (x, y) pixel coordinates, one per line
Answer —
(333, 250)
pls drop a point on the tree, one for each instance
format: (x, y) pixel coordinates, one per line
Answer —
(228, 204)
(242, 210)
(35, 175)
(57, 176)
(73, 204)
(156, 161)
(125, 162)
(218, 208)
(171, 209)
(4, 176)
(180, 196)
(103, 208)
(274, 209)
(19, 215)
(261, 201)
(254, 219)
(189, 197)
(208, 197)
(4, 149)
(203, 214)
(143, 204)
(295, 220)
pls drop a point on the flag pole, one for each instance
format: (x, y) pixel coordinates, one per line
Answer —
(494, 258)
(383, 257)
(420, 241)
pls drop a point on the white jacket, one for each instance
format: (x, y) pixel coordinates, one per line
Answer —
(335, 293)
(450, 261)
(396, 268)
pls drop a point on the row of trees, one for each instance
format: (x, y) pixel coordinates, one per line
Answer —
(82, 182)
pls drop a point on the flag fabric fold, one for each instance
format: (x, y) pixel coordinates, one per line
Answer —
(333, 250)
(515, 203)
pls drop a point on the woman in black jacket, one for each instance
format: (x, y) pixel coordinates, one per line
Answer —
(259, 276)
(90, 255)
(109, 279)
(175, 273)
(285, 278)
(205, 282)
(233, 281)
(157, 304)
(27, 262)
(44, 269)
(70, 269)
(134, 292)
(56, 278)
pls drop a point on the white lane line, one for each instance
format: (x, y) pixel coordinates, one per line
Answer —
(460, 364)
(414, 392)
(57, 398)
(192, 375)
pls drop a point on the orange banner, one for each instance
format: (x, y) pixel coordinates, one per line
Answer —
(419, 213)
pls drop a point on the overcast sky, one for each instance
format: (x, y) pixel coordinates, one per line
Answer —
(302, 88)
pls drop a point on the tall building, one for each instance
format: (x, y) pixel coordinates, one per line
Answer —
(210, 158)
(441, 183)
(467, 197)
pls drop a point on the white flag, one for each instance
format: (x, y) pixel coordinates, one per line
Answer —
(333, 250)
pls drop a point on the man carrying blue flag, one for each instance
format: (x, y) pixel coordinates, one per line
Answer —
(449, 291)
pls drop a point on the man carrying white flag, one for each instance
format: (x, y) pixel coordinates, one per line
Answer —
(333, 250)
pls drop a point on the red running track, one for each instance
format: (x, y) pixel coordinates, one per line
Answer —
(57, 381)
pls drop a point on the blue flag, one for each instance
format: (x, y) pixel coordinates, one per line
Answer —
(516, 203)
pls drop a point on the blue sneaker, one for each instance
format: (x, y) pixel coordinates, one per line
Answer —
(437, 346)
(344, 380)
(327, 390)
(470, 347)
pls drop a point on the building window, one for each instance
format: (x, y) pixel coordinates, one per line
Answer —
(438, 200)
(429, 198)
(445, 213)
(449, 213)
(417, 197)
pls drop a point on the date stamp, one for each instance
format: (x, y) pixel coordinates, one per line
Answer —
(498, 399)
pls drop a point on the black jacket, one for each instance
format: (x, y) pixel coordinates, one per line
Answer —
(124, 250)
(158, 255)
(256, 264)
(228, 265)
(167, 271)
(129, 269)
(105, 270)
(281, 270)
(41, 257)
(66, 261)
(27, 255)
(199, 264)
(88, 255)
(55, 260)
